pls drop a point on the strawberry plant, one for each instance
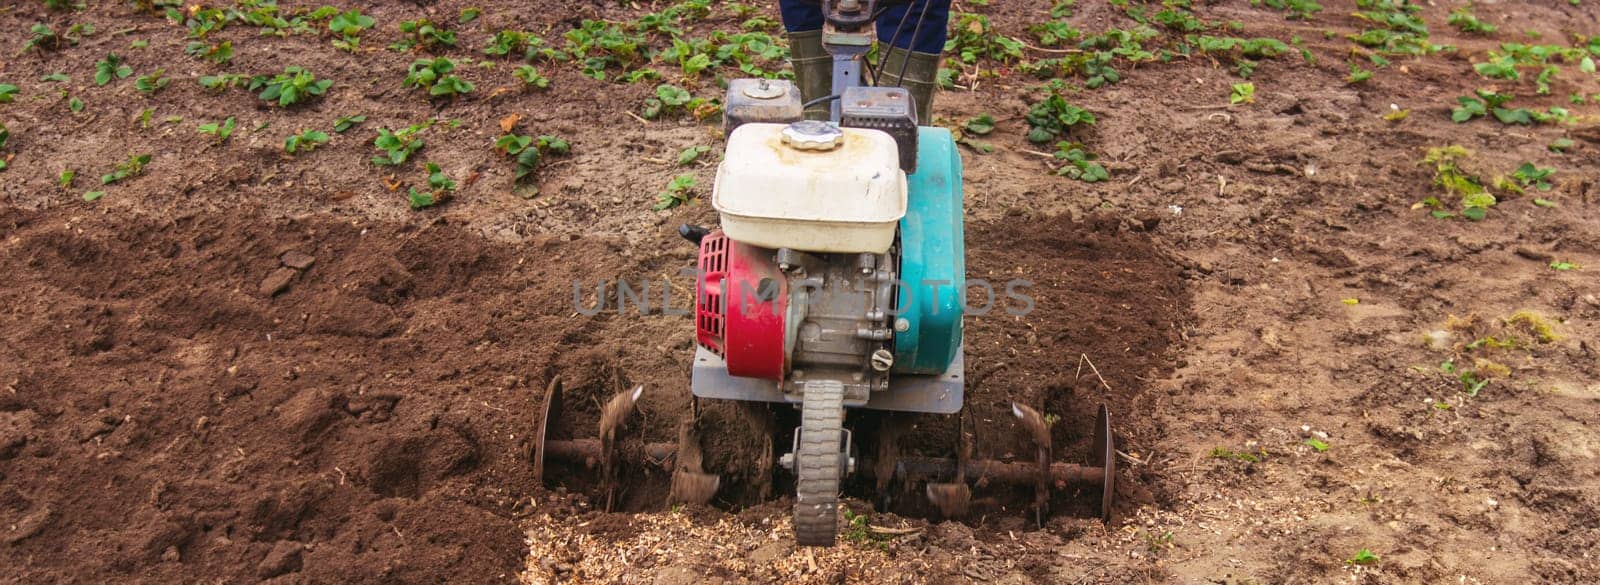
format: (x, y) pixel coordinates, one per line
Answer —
(223, 81)
(1462, 18)
(1399, 29)
(1053, 117)
(398, 145)
(43, 38)
(671, 99)
(1296, 9)
(345, 123)
(222, 130)
(679, 192)
(528, 152)
(349, 26)
(439, 188)
(305, 141)
(293, 86)
(109, 69)
(1447, 174)
(132, 167)
(1243, 93)
(152, 83)
(425, 34)
(219, 53)
(691, 154)
(1488, 102)
(1528, 176)
(1080, 163)
(973, 38)
(531, 77)
(8, 93)
(598, 46)
(508, 42)
(434, 76)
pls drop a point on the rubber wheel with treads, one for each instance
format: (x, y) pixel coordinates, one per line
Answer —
(818, 464)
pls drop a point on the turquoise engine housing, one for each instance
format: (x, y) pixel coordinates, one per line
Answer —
(933, 259)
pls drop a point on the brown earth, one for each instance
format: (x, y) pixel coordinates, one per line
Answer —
(242, 366)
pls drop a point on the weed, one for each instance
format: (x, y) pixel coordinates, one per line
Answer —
(1362, 557)
(1542, 330)
(679, 192)
(1319, 445)
(439, 188)
(1357, 74)
(132, 167)
(1561, 145)
(8, 93)
(1243, 93)
(531, 77)
(110, 69)
(291, 87)
(44, 38)
(434, 76)
(57, 77)
(398, 146)
(1155, 543)
(75, 104)
(152, 83)
(1563, 266)
(425, 34)
(1471, 382)
(1054, 117)
(345, 123)
(222, 130)
(5, 134)
(469, 14)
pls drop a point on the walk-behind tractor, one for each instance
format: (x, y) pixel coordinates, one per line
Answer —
(835, 283)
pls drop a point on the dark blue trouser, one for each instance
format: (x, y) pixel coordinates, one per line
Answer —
(801, 15)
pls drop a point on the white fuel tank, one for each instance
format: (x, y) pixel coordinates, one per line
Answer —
(811, 186)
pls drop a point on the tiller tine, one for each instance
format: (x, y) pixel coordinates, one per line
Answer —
(690, 483)
(1038, 431)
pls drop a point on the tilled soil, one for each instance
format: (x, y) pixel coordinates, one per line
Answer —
(242, 366)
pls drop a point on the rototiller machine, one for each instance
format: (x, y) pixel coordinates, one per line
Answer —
(835, 283)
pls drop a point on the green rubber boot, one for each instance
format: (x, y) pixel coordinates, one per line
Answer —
(813, 71)
(921, 77)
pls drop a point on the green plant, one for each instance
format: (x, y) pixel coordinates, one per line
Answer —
(1528, 176)
(530, 77)
(1488, 102)
(1297, 9)
(5, 134)
(1357, 74)
(152, 83)
(469, 14)
(65, 179)
(982, 125)
(598, 46)
(132, 167)
(347, 122)
(349, 25)
(434, 76)
(1247, 457)
(293, 86)
(1563, 266)
(1463, 19)
(1561, 145)
(1317, 444)
(439, 188)
(425, 34)
(1080, 163)
(1054, 117)
(679, 191)
(219, 53)
(43, 38)
(109, 69)
(8, 93)
(973, 38)
(398, 146)
(305, 141)
(1243, 93)
(691, 154)
(223, 81)
(75, 104)
(529, 152)
(1399, 28)
(1362, 557)
(674, 100)
(1475, 199)
(222, 130)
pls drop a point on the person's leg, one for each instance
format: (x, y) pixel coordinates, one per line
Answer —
(913, 37)
(813, 67)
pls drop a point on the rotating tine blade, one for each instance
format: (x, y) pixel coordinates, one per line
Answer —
(548, 412)
(690, 483)
(953, 498)
(1038, 430)
(612, 418)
